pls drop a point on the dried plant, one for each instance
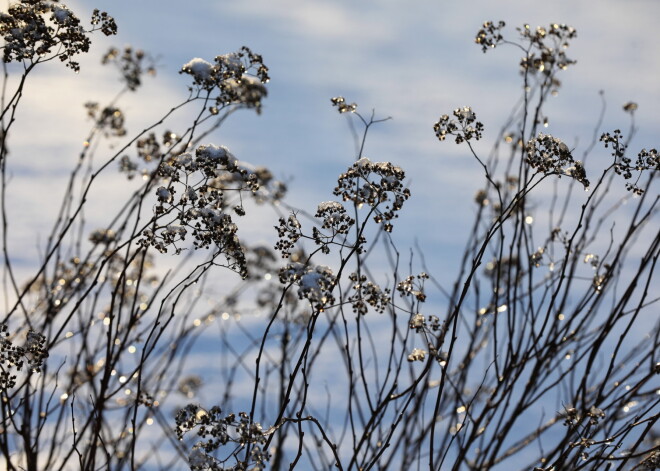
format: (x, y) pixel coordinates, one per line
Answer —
(542, 355)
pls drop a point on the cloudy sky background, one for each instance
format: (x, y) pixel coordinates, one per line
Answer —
(412, 61)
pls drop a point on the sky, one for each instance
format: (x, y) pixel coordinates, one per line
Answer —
(412, 61)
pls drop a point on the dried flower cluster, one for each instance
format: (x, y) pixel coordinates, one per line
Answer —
(237, 77)
(367, 293)
(490, 35)
(106, 22)
(536, 258)
(102, 236)
(421, 323)
(417, 354)
(217, 430)
(131, 65)
(550, 156)
(647, 160)
(148, 150)
(341, 105)
(289, 234)
(334, 217)
(32, 30)
(630, 107)
(549, 48)
(464, 126)
(110, 120)
(545, 48)
(335, 220)
(14, 357)
(194, 200)
(504, 272)
(433, 332)
(413, 286)
(56, 291)
(314, 283)
(374, 183)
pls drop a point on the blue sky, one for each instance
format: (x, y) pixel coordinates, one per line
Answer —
(412, 61)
